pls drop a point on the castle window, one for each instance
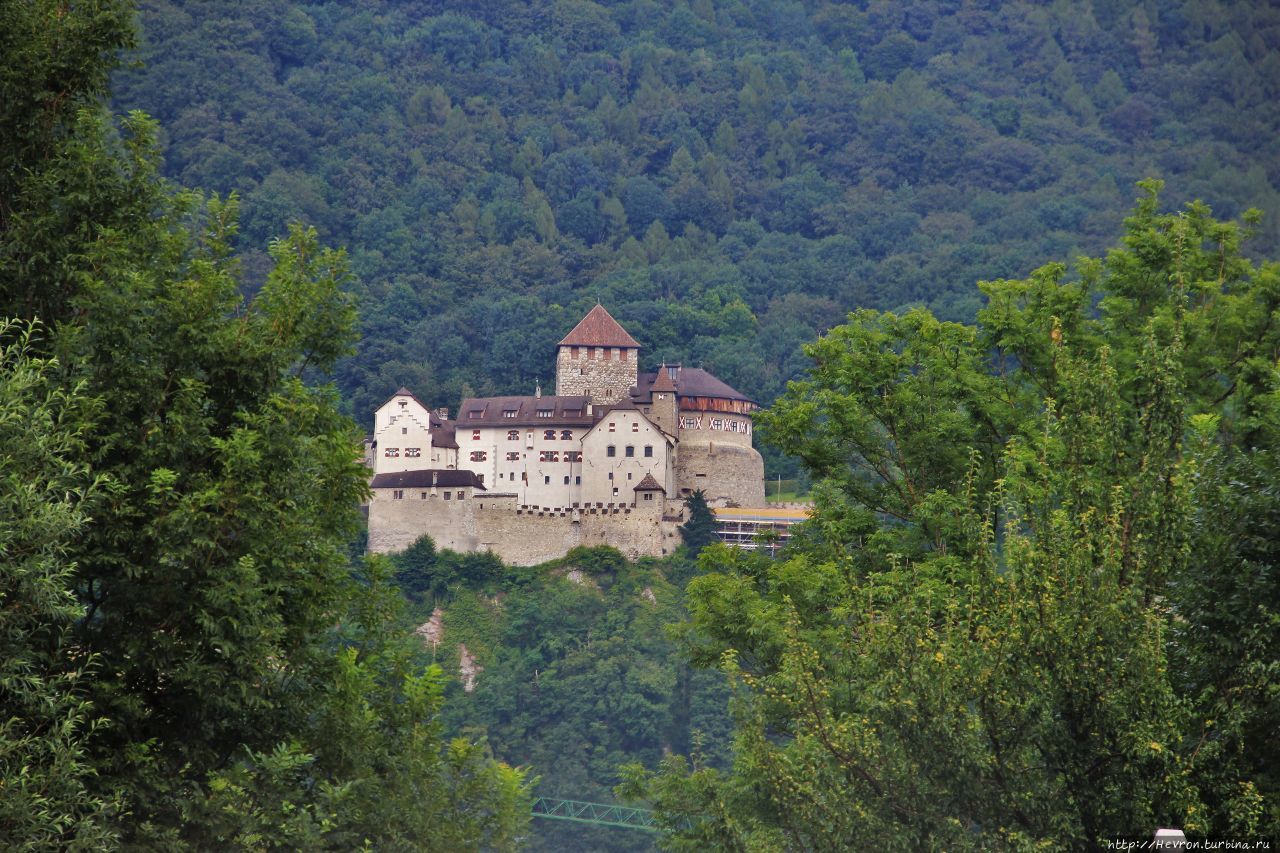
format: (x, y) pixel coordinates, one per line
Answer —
(397, 495)
(635, 426)
(565, 434)
(631, 451)
(480, 477)
(513, 435)
(615, 491)
(462, 495)
(549, 435)
(610, 475)
(424, 496)
(573, 456)
(566, 479)
(648, 451)
(391, 452)
(413, 452)
(549, 456)
(448, 496)
(628, 475)
(648, 496)
(717, 423)
(510, 413)
(612, 426)
(577, 481)
(479, 456)
(404, 430)
(546, 413)
(608, 393)
(513, 456)
(475, 435)
(546, 480)
(611, 451)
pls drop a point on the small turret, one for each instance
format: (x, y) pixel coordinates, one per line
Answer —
(663, 411)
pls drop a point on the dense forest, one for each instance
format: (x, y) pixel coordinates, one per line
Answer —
(572, 671)
(731, 177)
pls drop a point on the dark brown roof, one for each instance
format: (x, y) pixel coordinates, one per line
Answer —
(426, 478)
(444, 436)
(662, 379)
(599, 329)
(690, 382)
(405, 392)
(523, 411)
(648, 484)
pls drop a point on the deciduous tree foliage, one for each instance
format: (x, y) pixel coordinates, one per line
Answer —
(45, 720)
(257, 693)
(1036, 603)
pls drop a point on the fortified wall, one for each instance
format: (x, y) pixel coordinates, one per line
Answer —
(520, 535)
(728, 473)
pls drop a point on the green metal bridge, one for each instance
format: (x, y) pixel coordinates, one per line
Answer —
(599, 814)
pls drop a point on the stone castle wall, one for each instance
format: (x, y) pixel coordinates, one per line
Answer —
(729, 473)
(605, 374)
(518, 535)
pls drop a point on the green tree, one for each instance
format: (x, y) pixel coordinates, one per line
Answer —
(973, 642)
(700, 530)
(45, 717)
(212, 570)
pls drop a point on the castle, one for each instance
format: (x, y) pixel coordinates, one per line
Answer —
(607, 460)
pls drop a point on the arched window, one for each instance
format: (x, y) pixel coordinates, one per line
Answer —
(478, 456)
(566, 435)
(631, 450)
(549, 435)
(513, 435)
(611, 451)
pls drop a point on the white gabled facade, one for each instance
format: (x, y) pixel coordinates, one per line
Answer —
(619, 451)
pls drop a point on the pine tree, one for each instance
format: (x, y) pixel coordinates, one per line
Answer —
(700, 530)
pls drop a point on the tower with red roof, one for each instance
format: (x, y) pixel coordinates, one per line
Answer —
(598, 359)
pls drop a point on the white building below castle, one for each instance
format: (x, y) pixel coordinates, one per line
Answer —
(607, 459)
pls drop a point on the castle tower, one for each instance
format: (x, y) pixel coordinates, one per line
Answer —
(597, 359)
(663, 411)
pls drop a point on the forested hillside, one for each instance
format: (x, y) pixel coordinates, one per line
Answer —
(728, 176)
(573, 671)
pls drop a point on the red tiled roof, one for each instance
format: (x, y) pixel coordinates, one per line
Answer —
(648, 484)
(662, 380)
(599, 329)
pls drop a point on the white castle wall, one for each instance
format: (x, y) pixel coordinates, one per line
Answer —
(519, 535)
